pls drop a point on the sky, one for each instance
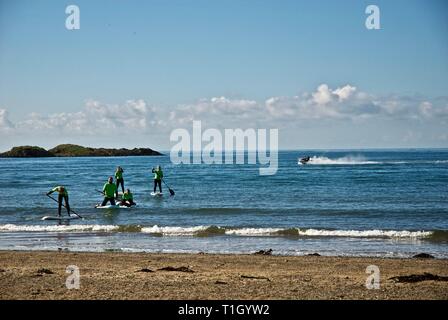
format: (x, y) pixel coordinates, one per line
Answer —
(137, 70)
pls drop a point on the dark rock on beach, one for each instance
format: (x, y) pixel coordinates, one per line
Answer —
(418, 278)
(264, 252)
(255, 277)
(423, 256)
(45, 271)
(179, 269)
(72, 150)
(145, 270)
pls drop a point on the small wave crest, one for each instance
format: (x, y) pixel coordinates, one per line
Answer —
(365, 233)
(59, 228)
(328, 233)
(206, 231)
(174, 231)
(252, 231)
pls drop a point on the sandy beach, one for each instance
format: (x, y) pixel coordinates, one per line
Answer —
(113, 275)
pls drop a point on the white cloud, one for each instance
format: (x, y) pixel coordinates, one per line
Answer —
(221, 105)
(5, 124)
(96, 118)
(215, 110)
(345, 103)
(323, 95)
(344, 92)
(426, 108)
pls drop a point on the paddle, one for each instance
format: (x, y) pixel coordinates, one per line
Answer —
(64, 206)
(171, 190)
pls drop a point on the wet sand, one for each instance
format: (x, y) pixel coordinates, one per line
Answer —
(112, 275)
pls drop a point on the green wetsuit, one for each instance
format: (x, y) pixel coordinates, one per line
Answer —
(128, 200)
(128, 196)
(119, 180)
(158, 175)
(62, 195)
(109, 190)
(58, 190)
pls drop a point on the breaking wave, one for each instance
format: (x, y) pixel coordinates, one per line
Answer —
(174, 231)
(329, 233)
(207, 231)
(59, 228)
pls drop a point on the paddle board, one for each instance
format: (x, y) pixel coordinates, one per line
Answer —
(156, 194)
(72, 217)
(114, 207)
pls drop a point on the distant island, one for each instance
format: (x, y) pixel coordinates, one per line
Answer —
(72, 150)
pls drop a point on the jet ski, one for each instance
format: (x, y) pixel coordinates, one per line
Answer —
(304, 160)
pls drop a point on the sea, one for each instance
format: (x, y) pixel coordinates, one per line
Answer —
(375, 203)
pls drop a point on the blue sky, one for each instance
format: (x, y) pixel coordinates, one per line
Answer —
(221, 62)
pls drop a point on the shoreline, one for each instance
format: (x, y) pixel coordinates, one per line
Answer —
(414, 256)
(119, 275)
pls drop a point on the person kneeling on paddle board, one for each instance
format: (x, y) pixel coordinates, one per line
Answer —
(119, 179)
(158, 175)
(109, 190)
(63, 195)
(128, 199)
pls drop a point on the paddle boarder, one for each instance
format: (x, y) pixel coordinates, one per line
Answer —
(158, 176)
(62, 195)
(109, 191)
(119, 179)
(128, 199)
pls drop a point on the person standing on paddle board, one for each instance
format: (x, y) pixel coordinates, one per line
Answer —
(158, 176)
(109, 191)
(63, 195)
(128, 199)
(119, 179)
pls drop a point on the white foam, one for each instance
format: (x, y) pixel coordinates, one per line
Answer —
(248, 232)
(174, 231)
(365, 233)
(253, 231)
(331, 233)
(58, 228)
(347, 160)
